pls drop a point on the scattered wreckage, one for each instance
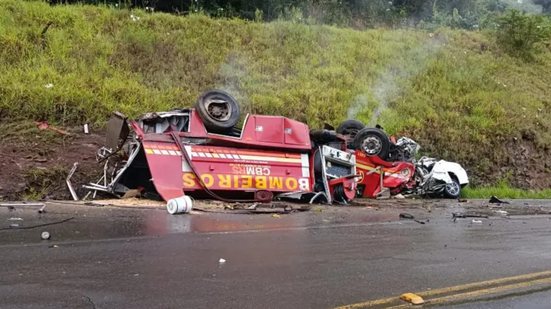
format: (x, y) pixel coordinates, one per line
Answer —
(201, 152)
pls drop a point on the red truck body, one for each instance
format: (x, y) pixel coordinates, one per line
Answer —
(173, 154)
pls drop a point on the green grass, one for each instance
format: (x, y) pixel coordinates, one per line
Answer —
(41, 181)
(505, 192)
(454, 92)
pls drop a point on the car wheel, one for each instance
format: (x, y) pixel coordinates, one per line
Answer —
(372, 142)
(453, 189)
(218, 110)
(350, 127)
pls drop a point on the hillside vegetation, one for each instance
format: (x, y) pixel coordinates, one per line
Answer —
(453, 91)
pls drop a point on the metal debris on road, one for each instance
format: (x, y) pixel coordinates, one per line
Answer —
(16, 226)
(21, 204)
(407, 216)
(468, 215)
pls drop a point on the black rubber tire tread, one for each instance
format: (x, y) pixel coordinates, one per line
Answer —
(212, 124)
(366, 132)
(349, 124)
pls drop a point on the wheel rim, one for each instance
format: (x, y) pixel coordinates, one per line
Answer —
(218, 109)
(452, 188)
(371, 145)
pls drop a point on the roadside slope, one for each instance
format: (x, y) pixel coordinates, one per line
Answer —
(452, 91)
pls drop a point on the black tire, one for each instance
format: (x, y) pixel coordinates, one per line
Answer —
(350, 127)
(218, 110)
(452, 190)
(372, 142)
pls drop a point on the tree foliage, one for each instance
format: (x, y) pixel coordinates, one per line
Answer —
(466, 14)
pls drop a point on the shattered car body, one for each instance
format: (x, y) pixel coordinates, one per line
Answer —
(440, 177)
(201, 152)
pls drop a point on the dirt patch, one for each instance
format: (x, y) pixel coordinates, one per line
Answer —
(528, 167)
(35, 162)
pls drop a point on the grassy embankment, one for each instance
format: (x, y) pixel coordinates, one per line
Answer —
(454, 92)
(505, 192)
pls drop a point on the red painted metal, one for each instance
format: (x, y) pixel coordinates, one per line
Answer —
(396, 175)
(259, 131)
(166, 170)
(271, 154)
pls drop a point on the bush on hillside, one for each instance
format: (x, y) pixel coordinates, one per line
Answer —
(522, 35)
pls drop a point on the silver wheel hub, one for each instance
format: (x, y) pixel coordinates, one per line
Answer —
(371, 145)
(452, 188)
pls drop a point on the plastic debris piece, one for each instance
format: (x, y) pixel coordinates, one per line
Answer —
(43, 125)
(15, 219)
(45, 235)
(276, 216)
(502, 212)
(476, 221)
(412, 298)
(221, 261)
(495, 200)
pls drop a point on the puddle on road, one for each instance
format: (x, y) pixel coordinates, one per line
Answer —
(105, 222)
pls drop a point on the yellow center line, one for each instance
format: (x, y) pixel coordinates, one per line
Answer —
(457, 288)
(479, 293)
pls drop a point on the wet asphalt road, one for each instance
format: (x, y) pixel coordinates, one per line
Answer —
(145, 258)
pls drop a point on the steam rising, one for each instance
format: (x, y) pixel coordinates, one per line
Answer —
(388, 85)
(232, 73)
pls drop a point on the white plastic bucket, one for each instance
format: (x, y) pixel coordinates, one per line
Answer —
(182, 204)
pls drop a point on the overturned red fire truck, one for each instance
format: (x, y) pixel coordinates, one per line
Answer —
(201, 152)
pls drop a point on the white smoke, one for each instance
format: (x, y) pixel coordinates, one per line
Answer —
(387, 87)
(233, 73)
